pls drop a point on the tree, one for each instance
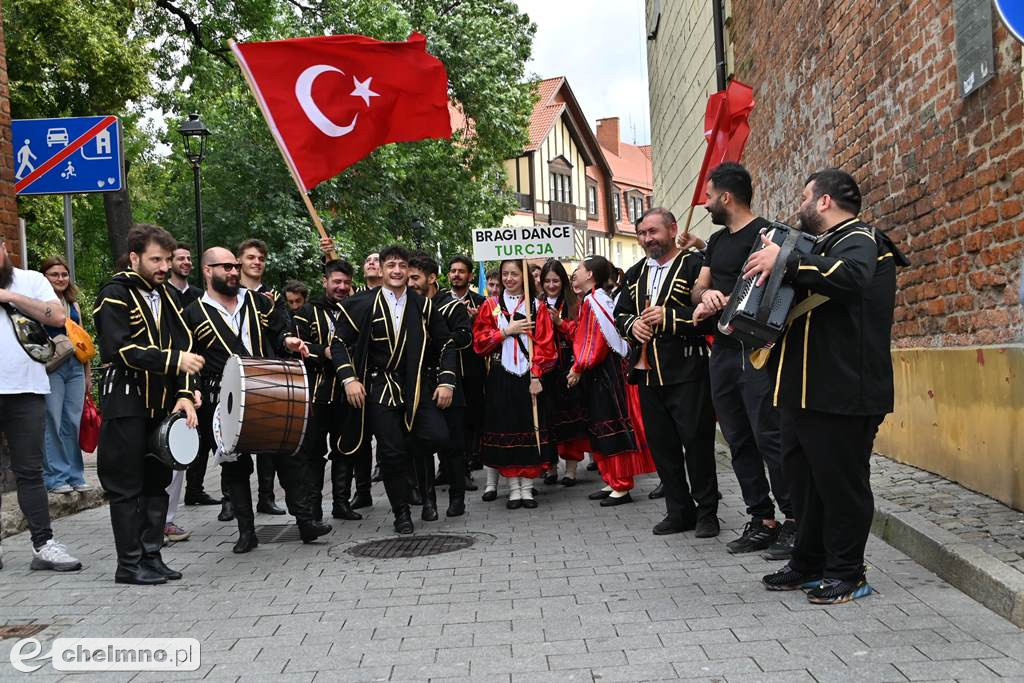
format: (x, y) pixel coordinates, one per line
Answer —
(452, 186)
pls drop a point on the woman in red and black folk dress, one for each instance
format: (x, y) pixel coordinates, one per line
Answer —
(565, 419)
(511, 443)
(617, 439)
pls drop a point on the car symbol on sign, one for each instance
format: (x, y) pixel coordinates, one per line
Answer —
(55, 136)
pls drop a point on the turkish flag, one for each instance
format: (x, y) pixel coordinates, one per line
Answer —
(330, 101)
(725, 130)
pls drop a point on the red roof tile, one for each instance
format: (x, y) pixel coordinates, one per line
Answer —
(632, 165)
(545, 112)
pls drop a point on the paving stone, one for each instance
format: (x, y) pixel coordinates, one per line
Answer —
(565, 593)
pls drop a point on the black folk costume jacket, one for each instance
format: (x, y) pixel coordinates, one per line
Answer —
(836, 357)
(216, 341)
(314, 323)
(142, 354)
(470, 364)
(460, 330)
(678, 352)
(390, 363)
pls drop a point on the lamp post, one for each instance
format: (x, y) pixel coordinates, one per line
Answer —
(417, 232)
(194, 135)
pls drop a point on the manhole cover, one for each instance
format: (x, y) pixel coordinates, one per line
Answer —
(20, 630)
(277, 533)
(411, 546)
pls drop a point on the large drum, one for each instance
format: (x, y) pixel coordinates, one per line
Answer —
(264, 405)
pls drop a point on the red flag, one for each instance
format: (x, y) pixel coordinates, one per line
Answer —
(725, 129)
(330, 101)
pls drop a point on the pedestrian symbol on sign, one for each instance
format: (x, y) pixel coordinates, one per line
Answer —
(68, 172)
(25, 159)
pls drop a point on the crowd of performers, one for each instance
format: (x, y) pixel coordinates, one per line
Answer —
(628, 368)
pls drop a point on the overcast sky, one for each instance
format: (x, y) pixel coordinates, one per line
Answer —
(600, 47)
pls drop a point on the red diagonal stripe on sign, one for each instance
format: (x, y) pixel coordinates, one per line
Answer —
(60, 156)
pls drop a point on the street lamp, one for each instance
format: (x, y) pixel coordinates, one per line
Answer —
(194, 135)
(417, 232)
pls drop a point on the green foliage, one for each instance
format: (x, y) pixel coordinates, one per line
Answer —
(450, 185)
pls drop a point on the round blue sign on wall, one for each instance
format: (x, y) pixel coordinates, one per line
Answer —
(1012, 13)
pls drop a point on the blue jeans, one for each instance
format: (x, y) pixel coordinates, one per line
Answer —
(63, 461)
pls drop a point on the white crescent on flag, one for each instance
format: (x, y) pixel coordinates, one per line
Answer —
(304, 94)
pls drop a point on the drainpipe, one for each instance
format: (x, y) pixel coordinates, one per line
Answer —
(719, 21)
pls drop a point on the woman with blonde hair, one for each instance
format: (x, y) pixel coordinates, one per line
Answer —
(63, 470)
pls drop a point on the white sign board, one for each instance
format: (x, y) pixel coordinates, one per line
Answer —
(523, 242)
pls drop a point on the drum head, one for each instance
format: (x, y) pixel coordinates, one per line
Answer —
(231, 406)
(183, 442)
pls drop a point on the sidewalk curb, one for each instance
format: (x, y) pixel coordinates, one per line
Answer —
(967, 567)
(61, 505)
(986, 579)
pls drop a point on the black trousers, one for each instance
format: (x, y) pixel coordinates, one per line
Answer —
(324, 421)
(133, 480)
(827, 458)
(680, 425)
(291, 469)
(742, 396)
(22, 422)
(196, 472)
(473, 416)
(394, 443)
(452, 455)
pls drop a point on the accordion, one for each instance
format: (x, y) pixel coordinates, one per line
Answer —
(756, 315)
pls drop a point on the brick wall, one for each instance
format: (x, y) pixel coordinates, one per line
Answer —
(872, 88)
(8, 213)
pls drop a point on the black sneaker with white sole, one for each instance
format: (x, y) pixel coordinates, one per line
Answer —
(782, 548)
(756, 536)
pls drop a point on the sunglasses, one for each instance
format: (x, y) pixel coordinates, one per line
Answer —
(226, 266)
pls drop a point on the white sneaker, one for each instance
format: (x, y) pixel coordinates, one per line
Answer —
(54, 556)
(81, 488)
(63, 488)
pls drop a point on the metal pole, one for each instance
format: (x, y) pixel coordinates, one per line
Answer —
(198, 257)
(69, 237)
(721, 73)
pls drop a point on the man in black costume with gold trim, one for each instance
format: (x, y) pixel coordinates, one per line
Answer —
(378, 352)
(833, 384)
(423, 279)
(147, 348)
(655, 312)
(231, 320)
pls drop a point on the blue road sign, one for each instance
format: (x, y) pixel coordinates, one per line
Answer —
(71, 155)
(1012, 13)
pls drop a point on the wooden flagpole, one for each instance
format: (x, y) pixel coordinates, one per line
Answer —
(280, 143)
(529, 347)
(689, 218)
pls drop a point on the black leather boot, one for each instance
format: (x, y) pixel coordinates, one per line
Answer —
(312, 529)
(125, 520)
(316, 486)
(154, 514)
(265, 471)
(454, 462)
(403, 520)
(342, 468)
(226, 513)
(241, 504)
(429, 513)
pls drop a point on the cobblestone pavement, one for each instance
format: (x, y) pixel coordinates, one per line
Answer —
(977, 519)
(568, 592)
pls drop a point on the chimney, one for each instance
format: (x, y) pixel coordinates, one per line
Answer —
(608, 134)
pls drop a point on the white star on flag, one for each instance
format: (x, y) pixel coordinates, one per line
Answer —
(363, 89)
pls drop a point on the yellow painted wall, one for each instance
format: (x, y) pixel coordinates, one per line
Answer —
(523, 186)
(960, 414)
